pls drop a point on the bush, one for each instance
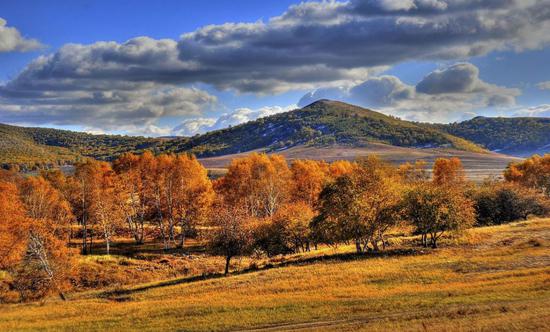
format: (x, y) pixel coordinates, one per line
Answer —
(499, 203)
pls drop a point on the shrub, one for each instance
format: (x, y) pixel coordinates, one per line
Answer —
(499, 203)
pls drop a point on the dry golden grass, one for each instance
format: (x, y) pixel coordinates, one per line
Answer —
(494, 278)
(478, 165)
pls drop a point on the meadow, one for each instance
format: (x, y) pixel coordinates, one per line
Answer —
(491, 278)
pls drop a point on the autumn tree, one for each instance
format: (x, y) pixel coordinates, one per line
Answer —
(287, 231)
(448, 172)
(413, 172)
(131, 184)
(533, 172)
(308, 179)
(360, 206)
(47, 261)
(14, 226)
(193, 194)
(231, 233)
(99, 197)
(259, 183)
(435, 210)
(341, 167)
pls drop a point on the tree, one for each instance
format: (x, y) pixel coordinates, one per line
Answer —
(295, 219)
(130, 184)
(435, 209)
(448, 172)
(231, 233)
(309, 177)
(259, 183)
(496, 203)
(533, 172)
(47, 261)
(193, 194)
(100, 199)
(360, 206)
(414, 173)
(14, 226)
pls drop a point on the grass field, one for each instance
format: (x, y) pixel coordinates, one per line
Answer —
(477, 165)
(494, 278)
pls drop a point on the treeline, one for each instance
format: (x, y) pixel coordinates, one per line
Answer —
(504, 134)
(262, 205)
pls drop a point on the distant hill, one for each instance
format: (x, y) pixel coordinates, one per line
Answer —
(514, 136)
(321, 123)
(28, 146)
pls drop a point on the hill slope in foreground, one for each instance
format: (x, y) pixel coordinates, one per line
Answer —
(494, 278)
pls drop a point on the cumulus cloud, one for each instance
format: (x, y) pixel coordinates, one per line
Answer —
(241, 115)
(312, 44)
(444, 95)
(109, 110)
(11, 39)
(544, 85)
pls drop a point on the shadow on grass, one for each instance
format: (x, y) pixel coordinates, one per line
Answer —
(120, 295)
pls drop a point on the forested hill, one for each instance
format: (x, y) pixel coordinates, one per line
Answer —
(29, 146)
(319, 124)
(515, 136)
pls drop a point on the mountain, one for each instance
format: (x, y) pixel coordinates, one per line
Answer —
(322, 123)
(520, 137)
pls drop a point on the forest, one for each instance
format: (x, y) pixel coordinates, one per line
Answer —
(264, 206)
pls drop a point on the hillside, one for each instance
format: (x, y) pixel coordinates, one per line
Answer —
(17, 147)
(321, 123)
(22, 145)
(515, 136)
(495, 278)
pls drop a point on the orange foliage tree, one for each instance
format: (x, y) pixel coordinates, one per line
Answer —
(360, 206)
(47, 260)
(14, 226)
(533, 172)
(308, 179)
(448, 171)
(259, 183)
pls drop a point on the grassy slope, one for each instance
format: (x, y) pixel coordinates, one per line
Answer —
(478, 165)
(496, 278)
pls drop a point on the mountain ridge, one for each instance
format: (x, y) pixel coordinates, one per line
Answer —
(321, 123)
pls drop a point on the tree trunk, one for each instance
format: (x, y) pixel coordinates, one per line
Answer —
(91, 242)
(358, 246)
(434, 241)
(182, 237)
(227, 260)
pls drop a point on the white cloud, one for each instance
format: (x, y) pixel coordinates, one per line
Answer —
(241, 115)
(327, 44)
(544, 85)
(445, 95)
(11, 40)
(535, 111)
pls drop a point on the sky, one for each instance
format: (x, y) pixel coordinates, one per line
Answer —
(159, 68)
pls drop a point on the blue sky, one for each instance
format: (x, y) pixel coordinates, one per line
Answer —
(182, 67)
